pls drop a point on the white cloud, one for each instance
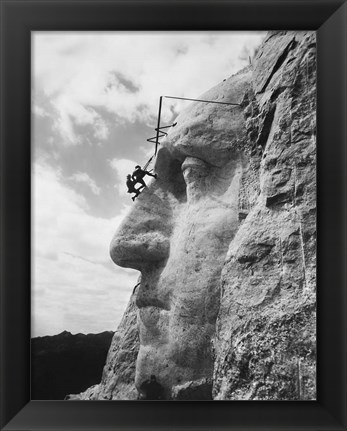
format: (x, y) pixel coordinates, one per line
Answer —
(101, 130)
(70, 112)
(126, 72)
(82, 177)
(75, 285)
(39, 111)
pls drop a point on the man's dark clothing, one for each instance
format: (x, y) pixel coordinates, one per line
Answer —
(130, 185)
(131, 188)
(138, 175)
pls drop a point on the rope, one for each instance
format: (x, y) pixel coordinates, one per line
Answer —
(160, 134)
(205, 101)
(147, 164)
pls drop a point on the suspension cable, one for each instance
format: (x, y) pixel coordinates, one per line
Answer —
(199, 100)
(160, 133)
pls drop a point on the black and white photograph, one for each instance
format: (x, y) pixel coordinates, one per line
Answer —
(173, 215)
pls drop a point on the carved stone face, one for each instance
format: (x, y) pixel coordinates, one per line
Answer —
(178, 233)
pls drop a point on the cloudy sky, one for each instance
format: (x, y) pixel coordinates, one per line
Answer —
(94, 103)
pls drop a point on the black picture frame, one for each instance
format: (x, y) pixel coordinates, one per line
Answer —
(18, 19)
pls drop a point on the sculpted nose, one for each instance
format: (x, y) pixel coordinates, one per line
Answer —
(143, 237)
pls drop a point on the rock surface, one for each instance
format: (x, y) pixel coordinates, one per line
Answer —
(227, 249)
(117, 382)
(265, 344)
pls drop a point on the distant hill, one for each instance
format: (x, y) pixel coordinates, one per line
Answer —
(63, 364)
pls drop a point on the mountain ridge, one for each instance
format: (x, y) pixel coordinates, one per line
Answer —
(66, 362)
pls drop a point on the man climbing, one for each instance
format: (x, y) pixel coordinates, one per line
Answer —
(131, 187)
(138, 175)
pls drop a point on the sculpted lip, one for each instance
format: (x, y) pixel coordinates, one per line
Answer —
(150, 296)
(150, 303)
(151, 317)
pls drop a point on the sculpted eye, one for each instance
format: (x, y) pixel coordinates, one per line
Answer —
(203, 179)
(195, 164)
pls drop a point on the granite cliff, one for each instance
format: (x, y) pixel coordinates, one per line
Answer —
(225, 240)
